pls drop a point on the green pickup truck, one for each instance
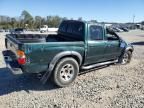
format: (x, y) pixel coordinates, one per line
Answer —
(77, 46)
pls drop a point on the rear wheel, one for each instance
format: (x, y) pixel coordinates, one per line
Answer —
(65, 72)
(126, 57)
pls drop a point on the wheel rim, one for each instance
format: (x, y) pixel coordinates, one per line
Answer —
(67, 72)
(125, 58)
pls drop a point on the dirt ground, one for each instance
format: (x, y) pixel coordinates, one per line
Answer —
(115, 86)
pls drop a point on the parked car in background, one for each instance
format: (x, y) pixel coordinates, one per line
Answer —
(2, 30)
(44, 28)
(120, 30)
(17, 31)
(115, 29)
(6, 30)
(124, 29)
(142, 28)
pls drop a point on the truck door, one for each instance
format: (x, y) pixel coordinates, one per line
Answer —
(96, 45)
(113, 49)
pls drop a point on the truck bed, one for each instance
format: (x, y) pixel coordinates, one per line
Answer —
(39, 38)
(27, 38)
(41, 49)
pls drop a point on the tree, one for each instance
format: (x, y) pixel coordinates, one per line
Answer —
(13, 23)
(37, 21)
(27, 18)
(56, 21)
(53, 21)
(43, 21)
(64, 18)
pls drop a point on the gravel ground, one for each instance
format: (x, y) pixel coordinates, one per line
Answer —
(115, 86)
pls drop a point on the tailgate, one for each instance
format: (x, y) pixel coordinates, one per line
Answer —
(10, 54)
(12, 44)
(12, 63)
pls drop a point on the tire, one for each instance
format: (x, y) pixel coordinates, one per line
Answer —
(125, 58)
(65, 72)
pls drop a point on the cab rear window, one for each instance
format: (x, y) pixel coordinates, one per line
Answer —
(76, 29)
(72, 29)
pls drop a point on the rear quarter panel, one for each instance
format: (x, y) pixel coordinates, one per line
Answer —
(39, 55)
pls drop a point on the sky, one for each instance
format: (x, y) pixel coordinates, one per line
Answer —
(100, 10)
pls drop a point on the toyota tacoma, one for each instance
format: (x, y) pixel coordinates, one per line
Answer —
(77, 46)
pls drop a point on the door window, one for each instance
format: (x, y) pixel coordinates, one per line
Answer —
(96, 32)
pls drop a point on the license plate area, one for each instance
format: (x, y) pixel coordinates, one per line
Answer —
(7, 58)
(9, 55)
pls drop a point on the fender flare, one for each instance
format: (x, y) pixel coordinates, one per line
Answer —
(129, 48)
(55, 60)
(61, 55)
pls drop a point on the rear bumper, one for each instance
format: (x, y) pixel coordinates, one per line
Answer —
(13, 65)
(15, 68)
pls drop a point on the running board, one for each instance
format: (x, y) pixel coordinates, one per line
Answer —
(98, 64)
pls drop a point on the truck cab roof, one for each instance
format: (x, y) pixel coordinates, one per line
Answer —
(74, 28)
(84, 22)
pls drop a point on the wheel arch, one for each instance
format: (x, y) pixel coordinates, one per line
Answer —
(77, 56)
(129, 49)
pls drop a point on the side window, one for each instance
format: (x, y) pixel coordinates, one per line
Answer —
(96, 32)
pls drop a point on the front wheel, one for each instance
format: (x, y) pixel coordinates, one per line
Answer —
(65, 72)
(125, 58)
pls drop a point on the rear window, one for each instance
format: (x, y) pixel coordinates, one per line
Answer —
(62, 27)
(76, 29)
(73, 29)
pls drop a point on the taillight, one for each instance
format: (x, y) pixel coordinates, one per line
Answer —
(21, 57)
(21, 61)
